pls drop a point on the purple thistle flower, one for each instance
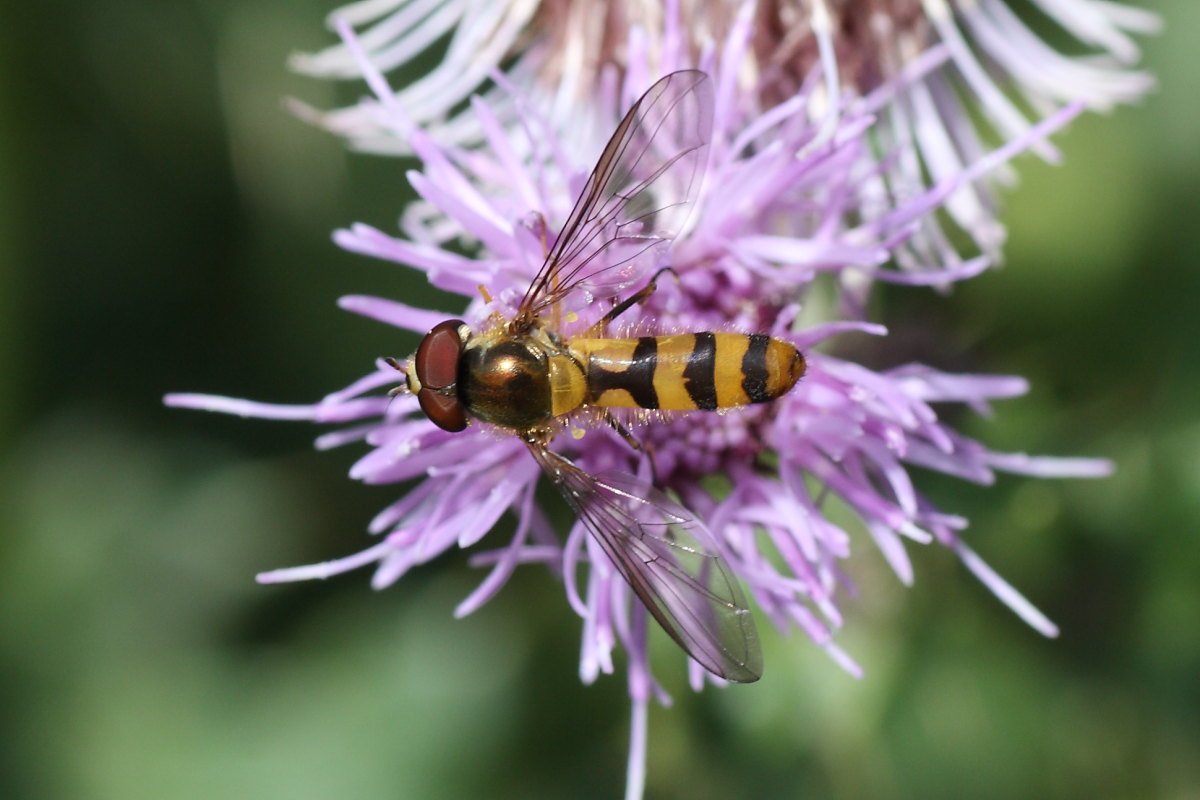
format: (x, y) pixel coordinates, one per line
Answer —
(786, 202)
(947, 64)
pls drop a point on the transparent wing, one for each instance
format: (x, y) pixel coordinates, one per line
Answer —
(661, 552)
(637, 196)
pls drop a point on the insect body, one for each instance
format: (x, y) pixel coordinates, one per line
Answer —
(521, 383)
(525, 377)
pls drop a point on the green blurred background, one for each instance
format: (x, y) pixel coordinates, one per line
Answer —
(164, 226)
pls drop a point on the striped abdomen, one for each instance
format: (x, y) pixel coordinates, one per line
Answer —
(703, 371)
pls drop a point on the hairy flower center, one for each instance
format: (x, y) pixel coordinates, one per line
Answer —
(869, 37)
(690, 446)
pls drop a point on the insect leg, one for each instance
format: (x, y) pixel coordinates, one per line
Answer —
(633, 442)
(637, 298)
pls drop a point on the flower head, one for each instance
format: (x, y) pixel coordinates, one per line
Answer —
(790, 215)
(958, 74)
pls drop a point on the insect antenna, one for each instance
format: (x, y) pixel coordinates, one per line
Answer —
(403, 370)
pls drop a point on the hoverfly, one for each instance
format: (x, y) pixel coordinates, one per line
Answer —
(522, 375)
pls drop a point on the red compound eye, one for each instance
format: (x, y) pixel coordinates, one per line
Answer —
(443, 410)
(438, 355)
(436, 365)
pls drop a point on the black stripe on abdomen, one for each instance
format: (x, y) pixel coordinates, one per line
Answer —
(637, 379)
(754, 369)
(698, 374)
